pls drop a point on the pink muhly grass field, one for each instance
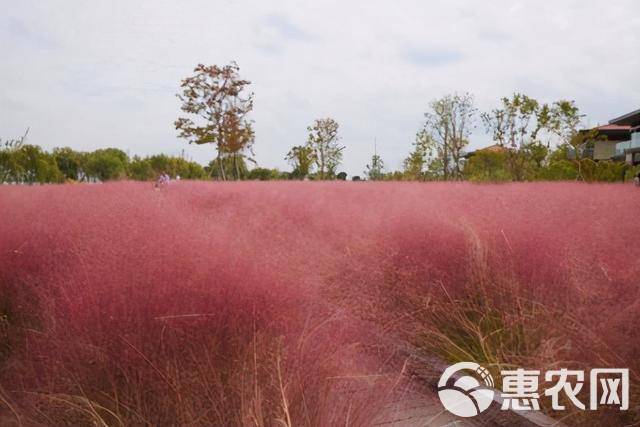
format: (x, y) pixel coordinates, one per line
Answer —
(302, 303)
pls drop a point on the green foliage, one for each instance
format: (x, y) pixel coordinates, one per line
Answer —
(222, 167)
(516, 126)
(140, 169)
(302, 158)
(450, 122)
(28, 164)
(175, 166)
(631, 172)
(70, 162)
(395, 176)
(487, 165)
(106, 164)
(10, 168)
(217, 105)
(375, 171)
(560, 170)
(264, 174)
(607, 171)
(422, 163)
(517, 121)
(190, 170)
(38, 166)
(324, 140)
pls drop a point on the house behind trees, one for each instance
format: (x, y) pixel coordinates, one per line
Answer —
(618, 140)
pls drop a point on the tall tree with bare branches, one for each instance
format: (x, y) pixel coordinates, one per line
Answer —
(324, 140)
(450, 122)
(516, 126)
(217, 102)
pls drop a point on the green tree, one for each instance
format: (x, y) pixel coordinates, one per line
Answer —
(324, 140)
(149, 168)
(191, 170)
(487, 165)
(515, 125)
(106, 164)
(217, 102)
(375, 171)
(609, 171)
(36, 166)
(450, 121)
(140, 169)
(229, 167)
(534, 156)
(395, 176)
(420, 157)
(301, 158)
(559, 167)
(566, 122)
(264, 174)
(10, 167)
(69, 162)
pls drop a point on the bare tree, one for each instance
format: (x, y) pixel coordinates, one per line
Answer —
(451, 121)
(565, 121)
(14, 143)
(515, 126)
(215, 99)
(323, 139)
(423, 155)
(10, 168)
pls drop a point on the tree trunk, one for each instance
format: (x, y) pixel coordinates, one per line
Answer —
(221, 167)
(445, 157)
(235, 165)
(579, 177)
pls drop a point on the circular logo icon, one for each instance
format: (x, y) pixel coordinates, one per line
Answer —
(467, 394)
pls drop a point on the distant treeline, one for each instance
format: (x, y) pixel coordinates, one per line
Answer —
(30, 164)
(532, 141)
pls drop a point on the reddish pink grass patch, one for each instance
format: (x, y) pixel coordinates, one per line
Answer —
(258, 303)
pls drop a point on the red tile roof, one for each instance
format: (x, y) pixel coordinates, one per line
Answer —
(614, 127)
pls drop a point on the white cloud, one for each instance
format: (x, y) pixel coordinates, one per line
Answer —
(92, 74)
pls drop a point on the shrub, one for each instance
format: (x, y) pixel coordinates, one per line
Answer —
(487, 166)
(106, 164)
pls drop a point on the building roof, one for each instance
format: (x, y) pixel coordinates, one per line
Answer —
(613, 132)
(629, 119)
(614, 127)
(495, 148)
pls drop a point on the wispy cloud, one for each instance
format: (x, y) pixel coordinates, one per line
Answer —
(493, 36)
(431, 57)
(21, 33)
(286, 28)
(71, 69)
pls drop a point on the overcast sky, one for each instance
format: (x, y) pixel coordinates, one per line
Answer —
(91, 74)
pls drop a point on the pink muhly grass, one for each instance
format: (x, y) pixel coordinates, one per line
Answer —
(300, 303)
